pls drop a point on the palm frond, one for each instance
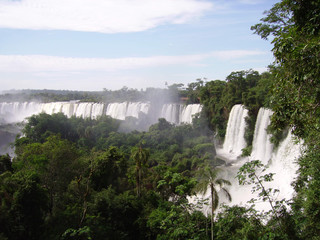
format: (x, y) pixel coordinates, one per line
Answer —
(222, 182)
(202, 186)
(227, 194)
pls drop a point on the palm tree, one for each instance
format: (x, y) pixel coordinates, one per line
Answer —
(209, 180)
(140, 156)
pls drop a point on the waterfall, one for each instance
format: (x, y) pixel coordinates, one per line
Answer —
(174, 113)
(97, 110)
(51, 108)
(126, 109)
(234, 140)
(284, 164)
(17, 111)
(281, 161)
(135, 108)
(77, 109)
(261, 145)
(83, 110)
(171, 113)
(68, 109)
(188, 112)
(178, 113)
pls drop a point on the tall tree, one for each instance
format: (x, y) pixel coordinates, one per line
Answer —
(209, 180)
(294, 27)
(140, 156)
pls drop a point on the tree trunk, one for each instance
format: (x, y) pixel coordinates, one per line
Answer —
(212, 210)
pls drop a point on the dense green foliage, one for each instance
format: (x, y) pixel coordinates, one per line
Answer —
(83, 179)
(294, 27)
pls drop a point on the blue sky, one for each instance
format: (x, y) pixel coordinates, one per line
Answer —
(96, 44)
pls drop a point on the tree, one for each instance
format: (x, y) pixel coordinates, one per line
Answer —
(5, 163)
(294, 27)
(175, 186)
(39, 127)
(174, 222)
(108, 168)
(140, 156)
(254, 172)
(24, 203)
(56, 162)
(238, 223)
(209, 180)
(250, 173)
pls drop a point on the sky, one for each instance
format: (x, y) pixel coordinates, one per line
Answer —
(95, 44)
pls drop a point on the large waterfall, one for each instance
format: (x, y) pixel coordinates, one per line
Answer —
(174, 113)
(261, 145)
(84, 110)
(280, 160)
(234, 139)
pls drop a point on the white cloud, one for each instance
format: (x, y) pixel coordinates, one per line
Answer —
(42, 63)
(107, 16)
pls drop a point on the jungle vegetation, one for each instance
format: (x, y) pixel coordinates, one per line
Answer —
(74, 178)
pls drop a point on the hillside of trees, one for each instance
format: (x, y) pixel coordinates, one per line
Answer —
(74, 178)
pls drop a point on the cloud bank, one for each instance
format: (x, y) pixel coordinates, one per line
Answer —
(42, 63)
(106, 16)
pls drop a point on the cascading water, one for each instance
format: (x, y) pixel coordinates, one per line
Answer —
(171, 113)
(281, 161)
(18, 111)
(261, 145)
(284, 164)
(126, 109)
(83, 110)
(178, 113)
(97, 110)
(234, 140)
(188, 113)
(135, 108)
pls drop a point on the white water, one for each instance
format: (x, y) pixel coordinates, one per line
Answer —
(281, 161)
(18, 111)
(77, 109)
(234, 140)
(188, 113)
(261, 146)
(127, 109)
(284, 164)
(179, 114)
(171, 113)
